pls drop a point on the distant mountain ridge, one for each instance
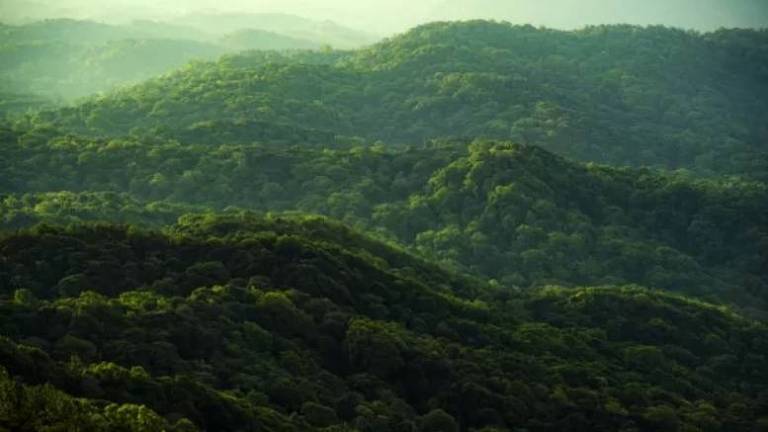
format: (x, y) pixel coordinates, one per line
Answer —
(64, 59)
(704, 15)
(318, 32)
(254, 39)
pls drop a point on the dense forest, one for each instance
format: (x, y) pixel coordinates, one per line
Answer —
(515, 214)
(469, 227)
(280, 324)
(615, 94)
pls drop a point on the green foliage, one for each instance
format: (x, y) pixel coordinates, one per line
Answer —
(296, 323)
(515, 214)
(438, 421)
(613, 94)
(374, 348)
(319, 415)
(44, 408)
(158, 270)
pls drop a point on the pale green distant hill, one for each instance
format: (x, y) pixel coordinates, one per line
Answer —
(317, 32)
(568, 14)
(64, 59)
(253, 39)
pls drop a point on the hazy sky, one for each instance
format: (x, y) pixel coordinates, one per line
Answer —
(388, 16)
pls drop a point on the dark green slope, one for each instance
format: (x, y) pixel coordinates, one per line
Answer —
(499, 287)
(616, 94)
(244, 323)
(516, 214)
(525, 216)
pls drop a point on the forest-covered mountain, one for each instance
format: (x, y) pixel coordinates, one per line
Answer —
(615, 94)
(244, 323)
(516, 214)
(518, 229)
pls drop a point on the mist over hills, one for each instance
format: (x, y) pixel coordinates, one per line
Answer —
(387, 17)
(319, 32)
(65, 59)
(706, 15)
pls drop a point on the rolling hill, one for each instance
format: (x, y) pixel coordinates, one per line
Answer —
(469, 227)
(515, 214)
(244, 323)
(614, 94)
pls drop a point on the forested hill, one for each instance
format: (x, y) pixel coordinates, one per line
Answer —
(298, 324)
(617, 94)
(512, 213)
(494, 268)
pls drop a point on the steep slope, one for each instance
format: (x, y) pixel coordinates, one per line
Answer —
(616, 94)
(513, 213)
(242, 323)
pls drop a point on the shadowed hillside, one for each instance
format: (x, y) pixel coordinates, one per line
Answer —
(241, 323)
(516, 214)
